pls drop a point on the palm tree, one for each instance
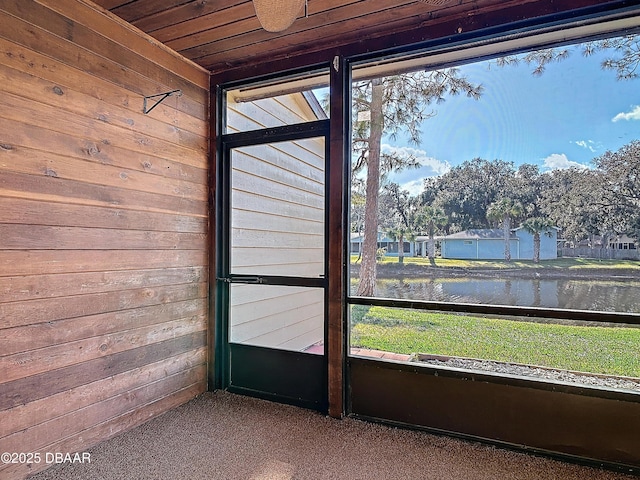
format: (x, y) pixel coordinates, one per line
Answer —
(535, 226)
(400, 233)
(432, 218)
(503, 211)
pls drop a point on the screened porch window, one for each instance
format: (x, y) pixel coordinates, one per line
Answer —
(502, 154)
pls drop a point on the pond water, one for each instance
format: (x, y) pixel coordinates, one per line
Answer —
(607, 295)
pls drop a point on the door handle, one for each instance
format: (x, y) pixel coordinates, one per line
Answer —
(242, 279)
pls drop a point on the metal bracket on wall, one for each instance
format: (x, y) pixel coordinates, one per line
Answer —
(162, 95)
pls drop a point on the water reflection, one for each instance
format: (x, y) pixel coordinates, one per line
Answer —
(609, 296)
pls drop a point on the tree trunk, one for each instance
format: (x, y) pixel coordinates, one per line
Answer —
(536, 247)
(401, 249)
(432, 243)
(368, 273)
(506, 229)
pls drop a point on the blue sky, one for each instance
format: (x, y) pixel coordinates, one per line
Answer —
(571, 114)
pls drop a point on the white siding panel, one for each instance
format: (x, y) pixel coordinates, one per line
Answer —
(268, 112)
(244, 182)
(304, 341)
(286, 323)
(277, 316)
(299, 337)
(249, 202)
(291, 262)
(283, 222)
(274, 164)
(245, 238)
(277, 227)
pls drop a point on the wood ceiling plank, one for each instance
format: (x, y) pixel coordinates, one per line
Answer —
(141, 8)
(110, 4)
(184, 13)
(219, 34)
(223, 31)
(360, 29)
(337, 21)
(314, 31)
(491, 14)
(209, 22)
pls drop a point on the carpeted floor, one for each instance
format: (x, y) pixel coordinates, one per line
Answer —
(225, 436)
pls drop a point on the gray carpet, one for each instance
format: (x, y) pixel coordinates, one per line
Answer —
(225, 436)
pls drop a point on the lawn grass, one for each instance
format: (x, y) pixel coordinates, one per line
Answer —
(558, 263)
(603, 350)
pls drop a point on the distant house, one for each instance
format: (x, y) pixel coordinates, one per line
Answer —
(622, 242)
(390, 246)
(488, 244)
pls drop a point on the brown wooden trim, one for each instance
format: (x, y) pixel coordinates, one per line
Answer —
(32, 287)
(66, 99)
(48, 118)
(214, 355)
(66, 52)
(49, 334)
(24, 364)
(48, 146)
(69, 33)
(45, 237)
(101, 90)
(335, 254)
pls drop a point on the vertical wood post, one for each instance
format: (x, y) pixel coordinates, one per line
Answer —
(336, 256)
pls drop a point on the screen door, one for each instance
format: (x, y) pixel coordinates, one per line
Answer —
(273, 278)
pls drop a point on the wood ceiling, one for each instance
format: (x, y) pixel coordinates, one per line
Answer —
(221, 35)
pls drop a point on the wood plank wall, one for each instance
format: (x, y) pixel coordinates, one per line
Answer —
(103, 229)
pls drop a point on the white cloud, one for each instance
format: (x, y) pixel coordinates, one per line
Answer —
(558, 161)
(632, 115)
(414, 187)
(588, 144)
(437, 167)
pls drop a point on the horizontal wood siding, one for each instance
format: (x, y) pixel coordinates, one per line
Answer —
(277, 226)
(103, 229)
(290, 318)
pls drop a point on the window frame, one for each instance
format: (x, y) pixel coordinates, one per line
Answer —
(463, 52)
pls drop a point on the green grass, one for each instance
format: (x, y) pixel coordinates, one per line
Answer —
(605, 350)
(559, 263)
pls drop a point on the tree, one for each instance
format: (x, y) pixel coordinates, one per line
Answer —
(399, 218)
(386, 106)
(466, 191)
(594, 210)
(431, 218)
(525, 188)
(574, 200)
(625, 59)
(621, 187)
(535, 226)
(503, 211)
(400, 233)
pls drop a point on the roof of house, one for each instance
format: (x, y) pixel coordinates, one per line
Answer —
(479, 234)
